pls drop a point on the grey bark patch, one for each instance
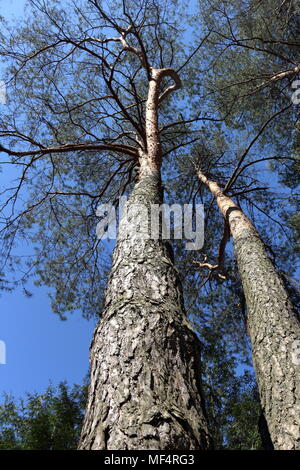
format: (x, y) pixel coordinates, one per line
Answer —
(145, 390)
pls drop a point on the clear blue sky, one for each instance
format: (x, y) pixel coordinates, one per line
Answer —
(40, 347)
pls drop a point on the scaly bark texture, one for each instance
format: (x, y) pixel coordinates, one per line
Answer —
(273, 326)
(145, 390)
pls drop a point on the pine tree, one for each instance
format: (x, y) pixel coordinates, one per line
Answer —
(105, 104)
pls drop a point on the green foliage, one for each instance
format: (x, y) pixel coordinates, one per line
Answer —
(52, 420)
(232, 399)
(43, 422)
(242, 413)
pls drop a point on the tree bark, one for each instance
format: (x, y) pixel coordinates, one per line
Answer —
(272, 323)
(145, 390)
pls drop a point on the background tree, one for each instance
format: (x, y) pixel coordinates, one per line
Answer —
(272, 323)
(50, 421)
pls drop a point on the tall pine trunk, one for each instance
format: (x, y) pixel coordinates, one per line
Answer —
(273, 326)
(145, 390)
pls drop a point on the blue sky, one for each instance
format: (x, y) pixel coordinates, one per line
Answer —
(39, 346)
